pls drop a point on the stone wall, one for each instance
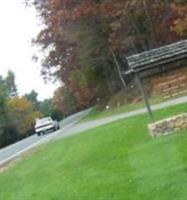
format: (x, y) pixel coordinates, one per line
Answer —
(169, 84)
(168, 126)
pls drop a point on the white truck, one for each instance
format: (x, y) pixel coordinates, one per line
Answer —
(45, 125)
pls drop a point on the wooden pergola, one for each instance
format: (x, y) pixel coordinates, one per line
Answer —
(154, 59)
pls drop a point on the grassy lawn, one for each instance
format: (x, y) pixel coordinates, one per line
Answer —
(117, 161)
(96, 114)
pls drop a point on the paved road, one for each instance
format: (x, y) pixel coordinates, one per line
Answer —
(16, 149)
(70, 127)
(77, 128)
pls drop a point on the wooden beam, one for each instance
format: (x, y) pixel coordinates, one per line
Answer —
(157, 64)
(145, 96)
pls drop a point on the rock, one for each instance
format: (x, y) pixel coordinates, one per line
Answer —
(168, 126)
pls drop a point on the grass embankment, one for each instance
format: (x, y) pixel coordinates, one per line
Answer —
(97, 114)
(114, 162)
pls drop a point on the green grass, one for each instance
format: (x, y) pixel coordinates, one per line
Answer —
(96, 114)
(117, 161)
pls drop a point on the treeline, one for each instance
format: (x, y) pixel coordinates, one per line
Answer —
(18, 114)
(85, 42)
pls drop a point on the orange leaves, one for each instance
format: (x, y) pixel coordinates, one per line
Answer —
(22, 114)
(180, 27)
(80, 33)
(180, 24)
(19, 104)
(81, 10)
(107, 8)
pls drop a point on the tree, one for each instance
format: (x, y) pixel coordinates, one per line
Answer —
(47, 108)
(180, 24)
(3, 109)
(64, 101)
(22, 114)
(32, 97)
(10, 84)
(8, 133)
(86, 42)
(17, 114)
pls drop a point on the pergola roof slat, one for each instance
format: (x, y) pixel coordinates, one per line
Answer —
(156, 56)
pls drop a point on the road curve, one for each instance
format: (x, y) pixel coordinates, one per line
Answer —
(81, 127)
(14, 150)
(70, 127)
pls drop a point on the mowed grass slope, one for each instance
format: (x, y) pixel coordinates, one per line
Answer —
(117, 161)
(97, 114)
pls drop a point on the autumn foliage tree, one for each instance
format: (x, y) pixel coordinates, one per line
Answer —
(21, 114)
(86, 42)
(180, 23)
(17, 114)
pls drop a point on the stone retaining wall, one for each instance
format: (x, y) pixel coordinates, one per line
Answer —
(168, 126)
(170, 84)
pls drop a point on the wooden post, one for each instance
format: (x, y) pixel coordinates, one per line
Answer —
(145, 97)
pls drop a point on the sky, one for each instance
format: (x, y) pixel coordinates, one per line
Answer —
(18, 25)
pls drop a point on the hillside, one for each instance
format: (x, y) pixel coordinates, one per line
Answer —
(116, 161)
